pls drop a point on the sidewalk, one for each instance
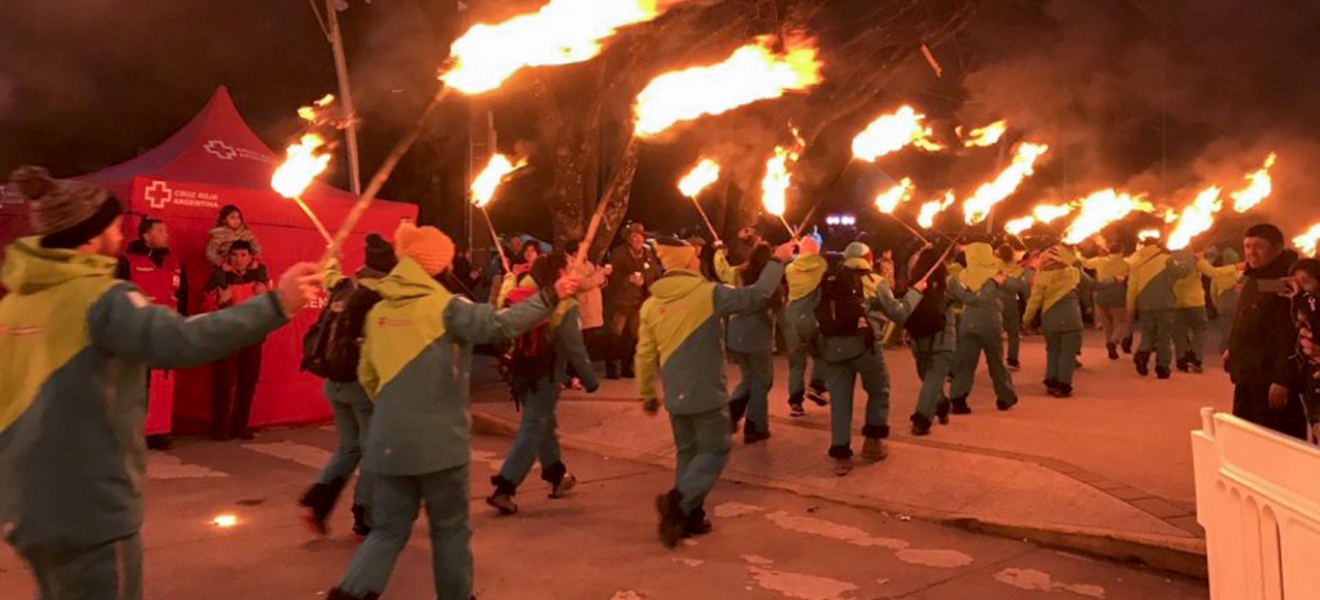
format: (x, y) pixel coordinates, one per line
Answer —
(1108, 471)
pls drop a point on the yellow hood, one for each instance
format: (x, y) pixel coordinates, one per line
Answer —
(982, 265)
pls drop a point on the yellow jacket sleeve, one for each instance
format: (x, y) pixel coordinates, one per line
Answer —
(723, 269)
(1035, 299)
(647, 358)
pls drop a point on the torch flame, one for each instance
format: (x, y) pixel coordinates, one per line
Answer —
(752, 73)
(986, 136)
(1049, 213)
(562, 32)
(978, 207)
(1149, 234)
(1017, 226)
(929, 210)
(1196, 218)
(1306, 242)
(1170, 216)
(484, 186)
(889, 200)
(705, 173)
(893, 132)
(306, 159)
(1101, 209)
(774, 187)
(1259, 187)
(313, 114)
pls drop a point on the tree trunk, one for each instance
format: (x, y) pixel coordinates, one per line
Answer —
(616, 198)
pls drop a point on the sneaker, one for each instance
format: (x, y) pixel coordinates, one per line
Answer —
(563, 486)
(1194, 365)
(874, 450)
(1182, 365)
(503, 502)
(842, 467)
(795, 405)
(920, 425)
(1050, 386)
(818, 394)
(1014, 365)
(1113, 351)
(960, 406)
(1062, 391)
(671, 518)
(696, 524)
(1002, 406)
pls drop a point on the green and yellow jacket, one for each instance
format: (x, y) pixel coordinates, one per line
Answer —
(1150, 283)
(1055, 294)
(881, 305)
(75, 346)
(1111, 273)
(415, 366)
(1016, 285)
(975, 287)
(680, 336)
(1223, 279)
(752, 332)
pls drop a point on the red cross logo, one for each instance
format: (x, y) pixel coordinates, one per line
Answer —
(220, 149)
(158, 194)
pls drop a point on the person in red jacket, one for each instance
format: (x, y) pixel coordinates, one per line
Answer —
(240, 278)
(149, 265)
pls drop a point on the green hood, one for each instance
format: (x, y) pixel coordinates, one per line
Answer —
(29, 268)
(676, 285)
(407, 282)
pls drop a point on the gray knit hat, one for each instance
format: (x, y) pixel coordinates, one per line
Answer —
(66, 213)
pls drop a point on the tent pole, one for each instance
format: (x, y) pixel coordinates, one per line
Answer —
(345, 95)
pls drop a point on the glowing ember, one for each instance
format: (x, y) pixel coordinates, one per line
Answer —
(562, 32)
(978, 206)
(752, 73)
(1101, 209)
(1196, 218)
(484, 186)
(315, 113)
(1259, 186)
(1307, 242)
(1049, 213)
(224, 521)
(306, 159)
(1149, 234)
(889, 200)
(893, 132)
(986, 136)
(1017, 226)
(929, 210)
(774, 187)
(705, 173)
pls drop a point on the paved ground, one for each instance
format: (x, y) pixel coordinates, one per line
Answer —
(597, 544)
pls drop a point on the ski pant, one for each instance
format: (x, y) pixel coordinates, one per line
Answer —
(537, 439)
(1189, 327)
(758, 375)
(934, 365)
(1157, 335)
(1114, 322)
(109, 571)
(396, 501)
(1013, 327)
(971, 345)
(352, 413)
(842, 378)
(1061, 350)
(703, 445)
(798, 341)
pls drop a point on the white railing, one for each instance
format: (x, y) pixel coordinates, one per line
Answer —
(1258, 498)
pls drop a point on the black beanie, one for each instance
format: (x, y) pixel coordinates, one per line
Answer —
(380, 254)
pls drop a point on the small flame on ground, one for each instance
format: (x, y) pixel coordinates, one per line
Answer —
(775, 184)
(305, 160)
(889, 200)
(1306, 243)
(485, 184)
(562, 32)
(752, 73)
(1017, 226)
(1100, 210)
(893, 132)
(986, 136)
(225, 521)
(1196, 218)
(699, 178)
(1259, 187)
(978, 206)
(926, 216)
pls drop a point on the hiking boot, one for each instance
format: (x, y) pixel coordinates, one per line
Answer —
(795, 405)
(737, 410)
(753, 436)
(1003, 406)
(318, 501)
(1062, 390)
(1127, 345)
(502, 498)
(1050, 386)
(842, 467)
(336, 594)
(960, 406)
(874, 450)
(1113, 351)
(696, 524)
(361, 524)
(563, 486)
(1163, 373)
(942, 411)
(920, 425)
(1182, 365)
(818, 394)
(1142, 361)
(671, 518)
(1014, 364)
(1195, 365)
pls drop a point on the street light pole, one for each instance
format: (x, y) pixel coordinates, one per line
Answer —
(345, 94)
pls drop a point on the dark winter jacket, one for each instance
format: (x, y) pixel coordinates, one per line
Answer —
(1263, 336)
(622, 294)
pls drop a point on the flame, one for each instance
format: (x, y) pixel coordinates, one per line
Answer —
(306, 159)
(484, 186)
(562, 32)
(1196, 218)
(225, 521)
(978, 207)
(1259, 186)
(893, 132)
(705, 173)
(1170, 216)
(1017, 226)
(1049, 213)
(315, 113)
(1101, 209)
(889, 200)
(929, 210)
(774, 187)
(1306, 242)
(1149, 234)
(986, 136)
(752, 73)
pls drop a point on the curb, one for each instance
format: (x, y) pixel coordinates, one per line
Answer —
(1181, 556)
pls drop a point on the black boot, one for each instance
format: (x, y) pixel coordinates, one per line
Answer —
(1113, 351)
(1062, 390)
(159, 442)
(960, 406)
(1163, 372)
(1142, 361)
(816, 393)
(1194, 363)
(942, 411)
(1050, 386)
(319, 500)
(1127, 345)
(361, 521)
(1182, 364)
(920, 425)
(611, 369)
(1004, 406)
(335, 594)
(752, 433)
(1014, 364)
(502, 497)
(738, 410)
(696, 523)
(795, 405)
(670, 507)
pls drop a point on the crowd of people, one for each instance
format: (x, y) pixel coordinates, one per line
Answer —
(396, 339)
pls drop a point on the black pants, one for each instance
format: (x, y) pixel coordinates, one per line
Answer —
(1251, 401)
(235, 386)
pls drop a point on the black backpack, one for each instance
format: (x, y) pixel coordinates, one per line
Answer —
(842, 308)
(333, 345)
(928, 317)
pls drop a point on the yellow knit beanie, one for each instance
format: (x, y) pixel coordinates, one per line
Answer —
(429, 247)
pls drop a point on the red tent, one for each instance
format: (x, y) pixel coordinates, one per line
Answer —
(216, 160)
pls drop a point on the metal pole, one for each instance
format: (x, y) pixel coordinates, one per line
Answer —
(345, 96)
